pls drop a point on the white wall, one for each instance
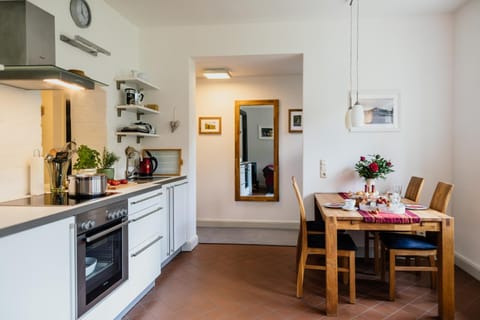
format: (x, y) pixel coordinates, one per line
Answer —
(410, 55)
(466, 154)
(20, 110)
(216, 154)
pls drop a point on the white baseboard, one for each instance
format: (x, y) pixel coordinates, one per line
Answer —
(282, 233)
(190, 244)
(467, 265)
(251, 224)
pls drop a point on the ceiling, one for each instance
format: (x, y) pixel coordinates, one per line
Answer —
(163, 13)
(155, 13)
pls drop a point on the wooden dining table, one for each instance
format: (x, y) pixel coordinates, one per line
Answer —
(431, 220)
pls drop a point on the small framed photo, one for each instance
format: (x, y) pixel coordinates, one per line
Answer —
(209, 125)
(295, 120)
(381, 112)
(265, 132)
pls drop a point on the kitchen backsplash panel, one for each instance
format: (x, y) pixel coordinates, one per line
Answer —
(20, 133)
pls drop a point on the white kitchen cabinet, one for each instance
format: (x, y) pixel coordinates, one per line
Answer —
(145, 236)
(144, 263)
(37, 273)
(176, 203)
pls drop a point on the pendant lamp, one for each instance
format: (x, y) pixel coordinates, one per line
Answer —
(357, 116)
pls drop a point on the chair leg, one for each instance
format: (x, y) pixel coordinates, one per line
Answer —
(300, 274)
(433, 275)
(344, 263)
(392, 275)
(367, 245)
(376, 253)
(383, 253)
(299, 249)
(351, 268)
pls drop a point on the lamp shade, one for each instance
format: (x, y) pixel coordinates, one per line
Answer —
(357, 115)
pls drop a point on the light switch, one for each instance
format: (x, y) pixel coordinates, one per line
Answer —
(323, 169)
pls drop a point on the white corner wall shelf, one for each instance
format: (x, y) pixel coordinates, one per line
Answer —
(138, 135)
(137, 82)
(138, 109)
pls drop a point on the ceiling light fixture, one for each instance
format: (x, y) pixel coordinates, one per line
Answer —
(220, 73)
(355, 112)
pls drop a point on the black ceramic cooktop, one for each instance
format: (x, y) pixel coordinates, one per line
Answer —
(51, 199)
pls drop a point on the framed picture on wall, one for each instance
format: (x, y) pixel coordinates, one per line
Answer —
(265, 132)
(381, 112)
(295, 120)
(209, 125)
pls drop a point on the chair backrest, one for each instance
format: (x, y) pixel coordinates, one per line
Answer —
(441, 197)
(414, 188)
(303, 218)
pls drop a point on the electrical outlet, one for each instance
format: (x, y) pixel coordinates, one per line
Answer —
(323, 169)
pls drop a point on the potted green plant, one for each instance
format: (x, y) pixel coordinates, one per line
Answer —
(107, 160)
(87, 159)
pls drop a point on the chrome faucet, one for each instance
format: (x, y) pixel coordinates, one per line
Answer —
(131, 166)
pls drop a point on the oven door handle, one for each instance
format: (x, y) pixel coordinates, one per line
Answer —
(105, 232)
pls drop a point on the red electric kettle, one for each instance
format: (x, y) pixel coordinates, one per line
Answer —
(147, 165)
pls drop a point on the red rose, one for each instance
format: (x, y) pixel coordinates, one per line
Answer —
(373, 167)
(362, 158)
(389, 164)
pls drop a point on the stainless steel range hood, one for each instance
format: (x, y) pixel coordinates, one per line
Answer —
(27, 50)
(43, 78)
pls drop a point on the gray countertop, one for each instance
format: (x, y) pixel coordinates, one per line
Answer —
(15, 219)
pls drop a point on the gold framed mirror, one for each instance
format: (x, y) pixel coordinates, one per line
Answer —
(256, 150)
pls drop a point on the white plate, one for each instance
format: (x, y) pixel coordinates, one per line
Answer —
(90, 264)
(415, 207)
(349, 209)
(334, 205)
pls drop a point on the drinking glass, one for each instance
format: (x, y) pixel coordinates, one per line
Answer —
(398, 189)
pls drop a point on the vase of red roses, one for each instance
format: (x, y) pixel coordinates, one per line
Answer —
(371, 168)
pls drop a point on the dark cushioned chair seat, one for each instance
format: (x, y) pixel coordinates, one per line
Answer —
(344, 241)
(315, 226)
(406, 241)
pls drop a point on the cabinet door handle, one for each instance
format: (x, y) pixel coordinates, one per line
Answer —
(147, 214)
(147, 198)
(147, 246)
(181, 184)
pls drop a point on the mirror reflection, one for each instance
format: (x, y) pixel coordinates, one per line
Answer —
(256, 150)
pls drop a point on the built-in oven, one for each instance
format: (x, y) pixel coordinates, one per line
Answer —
(102, 253)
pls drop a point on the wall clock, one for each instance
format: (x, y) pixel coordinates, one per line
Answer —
(80, 12)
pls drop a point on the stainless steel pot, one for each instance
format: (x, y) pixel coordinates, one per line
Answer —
(90, 185)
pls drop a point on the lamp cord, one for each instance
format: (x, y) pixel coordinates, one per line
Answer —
(351, 54)
(358, 35)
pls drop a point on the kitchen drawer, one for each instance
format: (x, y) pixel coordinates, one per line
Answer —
(144, 265)
(144, 225)
(145, 200)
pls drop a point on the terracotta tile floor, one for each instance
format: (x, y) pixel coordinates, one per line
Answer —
(217, 282)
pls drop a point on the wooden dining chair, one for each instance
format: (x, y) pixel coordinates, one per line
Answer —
(314, 245)
(409, 245)
(414, 189)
